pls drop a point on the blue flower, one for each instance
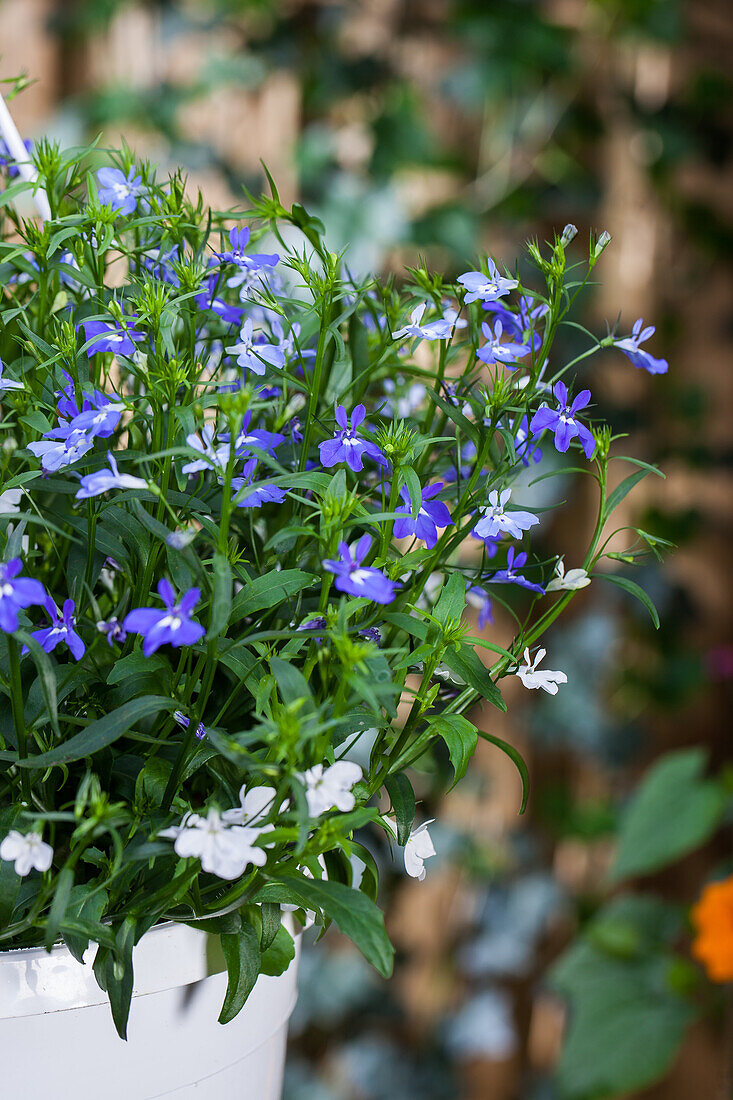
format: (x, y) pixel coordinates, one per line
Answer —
(486, 288)
(260, 494)
(211, 457)
(433, 330)
(159, 262)
(174, 626)
(207, 299)
(511, 576)
(641, 359)
(495, 519)
(7, 160)
(109, 336)
(118, 190)
(185, 721)
(358, 580)
(346, 446)
(257, 437)
(8, 383)
(16, 593)
(101, 421)
(432, 514)
(114, 630)
(62, 629)
(101, 481)
(562, 421)
(255, 355)
(235, 254)
(478, 597)
(61, 448)
(494, 351)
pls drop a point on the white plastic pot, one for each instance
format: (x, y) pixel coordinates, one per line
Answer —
(57, 1038)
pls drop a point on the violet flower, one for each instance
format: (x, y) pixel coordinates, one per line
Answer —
(61, 448)
(253, 354)
(433, 330)
(8, 383)
(17, 593)
(101, 481)
(641, 359)
(485, 288)
(259, 494)
(62, 629)
(511, 576)
(495, 519)
(118, 190)
(358, 580)
(109, 336)
(346, 446)
(431, 515)
(494, 351)
(562, 421)
(173, 626)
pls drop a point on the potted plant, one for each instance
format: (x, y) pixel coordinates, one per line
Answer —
(236, 489)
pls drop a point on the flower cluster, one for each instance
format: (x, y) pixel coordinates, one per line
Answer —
(242, 507)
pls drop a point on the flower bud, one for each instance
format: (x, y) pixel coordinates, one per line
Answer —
(599, 246)
(569, 233)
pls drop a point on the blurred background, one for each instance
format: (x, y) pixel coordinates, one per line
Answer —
(527, 967)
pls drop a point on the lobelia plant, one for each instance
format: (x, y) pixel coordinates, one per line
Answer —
(235, 489)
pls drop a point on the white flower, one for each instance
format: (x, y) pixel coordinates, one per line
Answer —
(419, 847)
(223, 849)
(329, 788)
(253, 806)
(27, 851)
(570, 581)
(10, 501)
(534, 678)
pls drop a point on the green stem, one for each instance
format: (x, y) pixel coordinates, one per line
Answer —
(16, 700)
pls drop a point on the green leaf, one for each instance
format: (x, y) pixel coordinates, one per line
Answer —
(242, 956)
(402, 797)
(291, 683)
(461, 737)
(469, 666)
(269, 591)
(100, 734)
(517, 759)
(626, 1021)
(453, 413)
(623, 489)
(279, 955)
(46, 677)
(409, 477)
(452, 599)
(271, 917)
(57, 912)
(120, 975)
(221, 600)
(355, 914)
(634, 589)
(135, 665)
(674, 811)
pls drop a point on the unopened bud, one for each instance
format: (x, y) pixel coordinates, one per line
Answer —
(601, 243)
(569, 233)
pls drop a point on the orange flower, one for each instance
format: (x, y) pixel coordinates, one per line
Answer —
(713, 919)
